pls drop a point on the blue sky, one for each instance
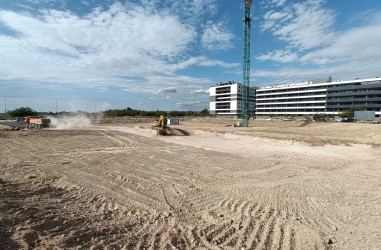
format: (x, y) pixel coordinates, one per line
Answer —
(165, 54)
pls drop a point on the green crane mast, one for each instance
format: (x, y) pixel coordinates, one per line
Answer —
(246, 64)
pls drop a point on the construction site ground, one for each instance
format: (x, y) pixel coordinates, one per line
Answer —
(117, 185)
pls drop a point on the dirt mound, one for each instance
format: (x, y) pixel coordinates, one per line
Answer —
(179, 132)
(5, 127)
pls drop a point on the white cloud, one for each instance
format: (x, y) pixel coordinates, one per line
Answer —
(303, 25)
(313, 49)
(352, 53)
(295, 73)
(364, 17)
(276, 16)
(201, 61)
(279, 56)
(279, 2)
(170, 90)
(118, 39)
(360, 44)
(69, 48)
(199, 91)
(192, 105)
(343, 71)
(160, 84)
(215, 37)
(192, 10)
(271, 4)
(275, 19)
(85, 2)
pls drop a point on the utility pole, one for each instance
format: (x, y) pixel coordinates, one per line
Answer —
(56, 107)
(246, 64)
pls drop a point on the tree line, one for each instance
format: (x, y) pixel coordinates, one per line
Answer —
(27, 111)
(135, 112)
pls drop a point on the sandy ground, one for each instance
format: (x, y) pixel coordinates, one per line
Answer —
(274, 185)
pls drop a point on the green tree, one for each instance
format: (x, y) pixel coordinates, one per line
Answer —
(110, 113)
(204, 112)
(349, 113)
(22, 111)
(176, 113)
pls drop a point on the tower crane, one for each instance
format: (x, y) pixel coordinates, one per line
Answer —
(246, 64)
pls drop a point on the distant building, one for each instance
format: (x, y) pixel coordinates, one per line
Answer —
(308, 98)
(226, 99)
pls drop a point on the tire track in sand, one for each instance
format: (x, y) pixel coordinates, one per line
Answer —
(209, 203)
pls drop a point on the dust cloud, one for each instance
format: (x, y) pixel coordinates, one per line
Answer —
(74, 121)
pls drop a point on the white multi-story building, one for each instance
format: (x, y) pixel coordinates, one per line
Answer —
(313, 97)
(226, 99)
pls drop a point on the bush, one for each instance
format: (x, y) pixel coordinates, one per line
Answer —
(22, 111)
(323, 117)
(349, 113)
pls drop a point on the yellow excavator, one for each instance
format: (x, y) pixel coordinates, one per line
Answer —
(163, 129)
(162, 122)
(161, 126)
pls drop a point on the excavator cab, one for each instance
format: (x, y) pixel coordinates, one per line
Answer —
(162, 122)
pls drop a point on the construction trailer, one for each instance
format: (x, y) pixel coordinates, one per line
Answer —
(173, 121)
(366, 116)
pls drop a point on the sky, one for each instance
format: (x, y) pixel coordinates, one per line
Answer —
(93, 55)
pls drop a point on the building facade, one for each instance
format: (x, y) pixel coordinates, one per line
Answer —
(319, 97)
(225, 99)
